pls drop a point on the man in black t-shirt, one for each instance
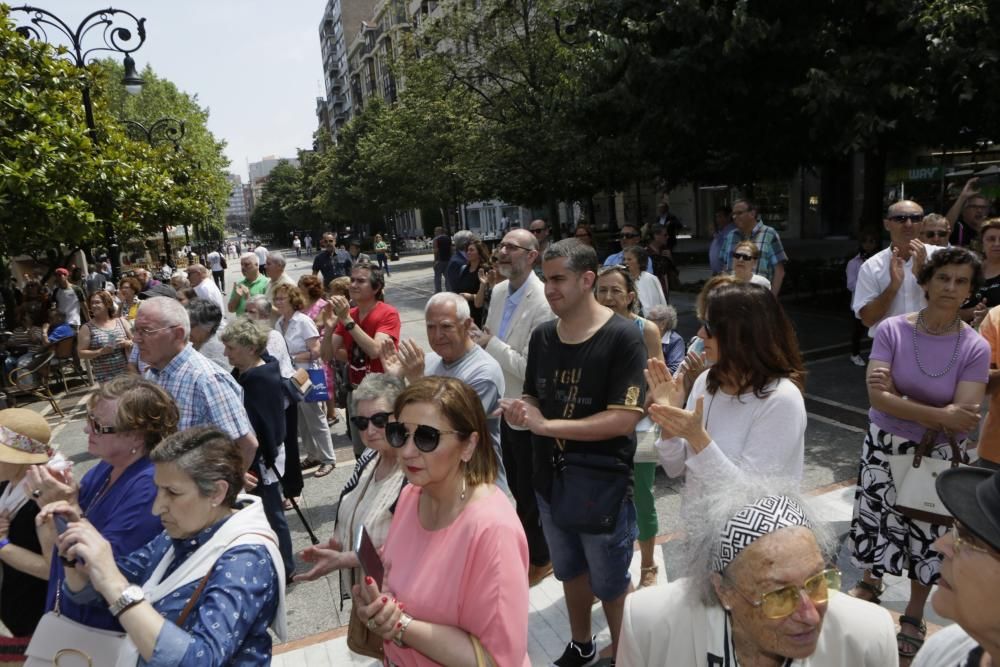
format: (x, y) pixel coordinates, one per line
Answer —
(442, 255)
(331, 260)
(583, 393)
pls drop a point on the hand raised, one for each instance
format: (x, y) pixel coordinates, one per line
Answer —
(664, 388)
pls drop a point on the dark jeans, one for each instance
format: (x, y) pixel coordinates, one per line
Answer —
(270, 495)
(220, 279)
(439, 269)
(857, 335)
(383, 262)
(518, 462)
(292, 481)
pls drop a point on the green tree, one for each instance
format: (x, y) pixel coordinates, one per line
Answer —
(284, 205)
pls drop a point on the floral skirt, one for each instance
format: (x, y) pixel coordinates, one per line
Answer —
(881, 539)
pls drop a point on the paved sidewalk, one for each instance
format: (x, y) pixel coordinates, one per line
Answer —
(548, 623)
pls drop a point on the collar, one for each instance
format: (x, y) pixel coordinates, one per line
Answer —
(452, 364)
(182, 358)
(183, 547)
(753, 232)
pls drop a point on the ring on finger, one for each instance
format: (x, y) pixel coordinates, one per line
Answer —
(36, 493)
(371, 623)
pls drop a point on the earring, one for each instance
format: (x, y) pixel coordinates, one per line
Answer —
(134, 450)
(462, 497)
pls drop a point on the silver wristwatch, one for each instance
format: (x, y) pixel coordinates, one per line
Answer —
(132, 595)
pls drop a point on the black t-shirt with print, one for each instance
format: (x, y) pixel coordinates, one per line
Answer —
(574, 381)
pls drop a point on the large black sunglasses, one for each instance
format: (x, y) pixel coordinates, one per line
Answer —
(379, 419)
(426, 438)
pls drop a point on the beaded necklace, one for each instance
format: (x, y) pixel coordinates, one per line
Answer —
(916, 350)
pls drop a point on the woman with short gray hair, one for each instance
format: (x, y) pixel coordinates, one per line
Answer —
(664, 316)
(761, 587)
(205, 317)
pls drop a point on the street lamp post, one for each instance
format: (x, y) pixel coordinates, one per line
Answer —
(165, 130)
(116, 39)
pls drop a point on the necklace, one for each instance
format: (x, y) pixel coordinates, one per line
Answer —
(916, 350)
(100, 495)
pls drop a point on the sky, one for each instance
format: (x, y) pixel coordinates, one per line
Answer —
(255, 64)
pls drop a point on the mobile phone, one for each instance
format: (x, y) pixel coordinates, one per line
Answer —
(61, 525)
(698, 346)
(371, 564)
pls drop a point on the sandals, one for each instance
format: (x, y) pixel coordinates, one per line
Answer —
(324, 470)
(907, 645)
(868, 592)
(647, 576)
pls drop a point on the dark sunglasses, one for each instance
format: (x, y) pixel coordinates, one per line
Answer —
(743, 256)
(914, 218)
(537, 231)
(629, 235)
(426, 438)
(95, 427)
(379, 419)
(940, 234)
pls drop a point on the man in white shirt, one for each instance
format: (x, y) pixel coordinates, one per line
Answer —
(887, 282)
(215, 260)
(261, 253)
(69, 298)
(274, 267)
(198, 277)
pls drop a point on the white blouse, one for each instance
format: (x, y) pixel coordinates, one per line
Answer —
(300, 329)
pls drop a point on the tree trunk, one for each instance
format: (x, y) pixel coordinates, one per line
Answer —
(874, 188)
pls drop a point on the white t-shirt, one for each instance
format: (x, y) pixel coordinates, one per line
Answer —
(207, 289)
(764, 436)
(948, 647)
(650, 291)
(261, 253)
(758, 279)
(296, 244)
(873, 279)
(300, 329)
(68, 304)
(214, 262)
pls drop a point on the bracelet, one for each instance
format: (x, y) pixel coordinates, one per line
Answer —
(4, 542)
(404, 622)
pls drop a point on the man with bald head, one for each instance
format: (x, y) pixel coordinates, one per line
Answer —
(205, 394)
(517, 307)
(887, 282)
(201, 282)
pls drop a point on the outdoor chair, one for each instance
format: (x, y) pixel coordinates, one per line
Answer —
(65, 362)
(33, 380)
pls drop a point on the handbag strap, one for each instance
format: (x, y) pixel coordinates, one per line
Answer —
(483, 658)
(193, 600)
(929, 441)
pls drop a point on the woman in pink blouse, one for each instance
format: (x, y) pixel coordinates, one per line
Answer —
(456, 558)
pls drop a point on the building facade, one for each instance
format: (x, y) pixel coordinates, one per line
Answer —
(342, 22)
(237, 213)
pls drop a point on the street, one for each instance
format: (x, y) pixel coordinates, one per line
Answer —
(835, 400)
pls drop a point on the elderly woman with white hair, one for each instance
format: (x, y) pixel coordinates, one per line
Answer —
(761, 590)
(206, 318)
(664, 316)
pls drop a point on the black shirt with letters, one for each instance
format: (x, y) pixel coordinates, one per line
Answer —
(574, 381)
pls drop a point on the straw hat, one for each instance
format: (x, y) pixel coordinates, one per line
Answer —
(24, 437)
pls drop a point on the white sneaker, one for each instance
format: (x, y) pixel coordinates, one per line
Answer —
(857, 360)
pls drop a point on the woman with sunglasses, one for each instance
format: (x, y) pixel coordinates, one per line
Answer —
(760, 590)
(745, 413)
(969, 589)
(456, 557)
(370, 495)
(745, 256)
(614, 288)
(126, 418)
(927, 372)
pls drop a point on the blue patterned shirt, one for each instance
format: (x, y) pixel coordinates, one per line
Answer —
(206, 395)
(228, 625)
(767, 240)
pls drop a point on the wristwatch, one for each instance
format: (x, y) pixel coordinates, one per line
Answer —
(131, 596)
(350, 325)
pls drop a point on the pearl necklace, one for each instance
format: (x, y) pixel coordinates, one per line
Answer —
(916, 350)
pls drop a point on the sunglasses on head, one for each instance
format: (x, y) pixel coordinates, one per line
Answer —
(783, 602)
(425, 438)
(742, 255)
(940, 234)
(379, 419)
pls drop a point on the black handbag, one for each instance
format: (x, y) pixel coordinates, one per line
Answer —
(587, 491)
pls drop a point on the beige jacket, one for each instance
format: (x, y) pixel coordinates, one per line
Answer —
(512, 354)
(665, 625)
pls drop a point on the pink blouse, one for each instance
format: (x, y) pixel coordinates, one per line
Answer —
(472, 575)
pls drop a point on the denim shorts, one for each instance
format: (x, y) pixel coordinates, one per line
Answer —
(605, 557)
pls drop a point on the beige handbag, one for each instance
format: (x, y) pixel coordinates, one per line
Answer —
(61, 642)
(914, 476)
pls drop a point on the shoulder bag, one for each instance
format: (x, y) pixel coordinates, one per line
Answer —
(914, 476)
(483, 657)
(587, 491)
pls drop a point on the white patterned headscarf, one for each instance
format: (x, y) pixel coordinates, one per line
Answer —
(761, 517)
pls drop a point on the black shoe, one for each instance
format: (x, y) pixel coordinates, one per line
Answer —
(579, 655)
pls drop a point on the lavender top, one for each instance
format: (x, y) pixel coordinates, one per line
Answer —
(894, 345)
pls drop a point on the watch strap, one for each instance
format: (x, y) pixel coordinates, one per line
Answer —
(350, 325)
(127, 599)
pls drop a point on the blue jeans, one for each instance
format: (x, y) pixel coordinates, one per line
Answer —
(604, 557)
(439, 269)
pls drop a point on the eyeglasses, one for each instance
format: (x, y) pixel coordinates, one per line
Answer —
(95, 427)
(426, 438)
(629, 235)
(510, 247)
(379, 419)
(912, 217)
(963, 540)
(707, 327)
(537, 231)
(784, 601)
(745, 257)
(150, 332)
(940, 234)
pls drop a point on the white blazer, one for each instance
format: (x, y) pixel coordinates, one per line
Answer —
(512, 354)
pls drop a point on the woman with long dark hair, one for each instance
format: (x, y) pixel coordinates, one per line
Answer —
(746, 412)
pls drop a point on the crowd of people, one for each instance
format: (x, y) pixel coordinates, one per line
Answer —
(523, 444)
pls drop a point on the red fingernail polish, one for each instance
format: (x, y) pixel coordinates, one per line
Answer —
(401, 605)
(384, 600)
(399, 625)
(369, 581)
